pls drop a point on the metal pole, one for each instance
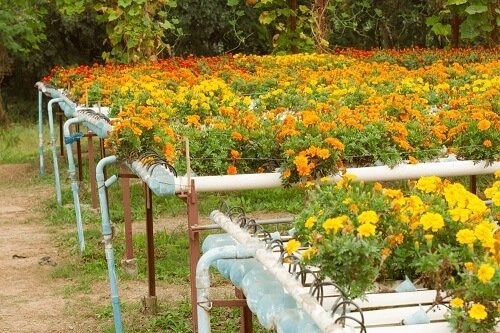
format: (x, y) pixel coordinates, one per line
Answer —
(40, 131)
(151, 299)
(90, 156)
(473, 184)
(61, 134)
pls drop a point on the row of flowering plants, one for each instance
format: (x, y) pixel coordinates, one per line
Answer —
(436, 233)
(308, 114)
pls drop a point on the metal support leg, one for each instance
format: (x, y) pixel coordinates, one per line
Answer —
(246, 324)
(60, 115)
(150, 301)
(79, 156)
(90, 156)
(129, 263)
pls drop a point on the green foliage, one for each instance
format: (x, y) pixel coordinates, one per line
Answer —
(22, 26)
(476, 20)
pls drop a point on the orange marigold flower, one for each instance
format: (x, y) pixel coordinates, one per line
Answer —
(286, 173)
(301, 163)
(487, 143)
(231, 170)
(335, 143)
(413, 160)
(483, 125)
(310, 118)
(236, 136)
(235, 155)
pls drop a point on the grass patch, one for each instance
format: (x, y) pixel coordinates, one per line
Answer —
(18, 143)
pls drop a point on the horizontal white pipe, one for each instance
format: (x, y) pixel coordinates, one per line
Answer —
(368, 174)
(304, 300)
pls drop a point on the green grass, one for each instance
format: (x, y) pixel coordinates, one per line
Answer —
(18, 143)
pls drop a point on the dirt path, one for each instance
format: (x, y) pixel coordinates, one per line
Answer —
(28, 299)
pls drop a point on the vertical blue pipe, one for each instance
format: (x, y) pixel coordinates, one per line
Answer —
(74, 183)
(108, 242)
(40, 131)
(54, 150)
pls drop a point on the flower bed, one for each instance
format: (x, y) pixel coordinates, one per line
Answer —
(436, 233)
(308, 114)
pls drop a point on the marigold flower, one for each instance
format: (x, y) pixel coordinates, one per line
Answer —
(483, 125)
(335, 143)
(386, 252)
(309, 253)
(466, 237)
(366, 230)
(470, 266)
(487, 143)
(485, 273)
(236, 136)
(302, 165)
(292, 245)
(432, 221)
(457, 303)
(478, 311)
(368, 216)
(430, 184)
(287, 173)
(335, 224)
(310, 222)
(413, 160)
(235, 155)
(232, 170)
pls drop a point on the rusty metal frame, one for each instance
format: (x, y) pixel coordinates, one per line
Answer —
(246, 324)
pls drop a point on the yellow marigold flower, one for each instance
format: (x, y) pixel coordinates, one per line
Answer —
(429, 184)
(432, 221)
(478, 311)
(460, 214)
(466, 237)
(457, 303)
(335, 224)
(309, 253)
(310, 222)
(428, 237)
(292, 245)
(323, 153)
(483, 125)
(470, 266)
(497, 174)
(485, 273)
(377, 186)
(366, 230)
(325, 179)
(287, 173)
(368, 216)
(392, 193)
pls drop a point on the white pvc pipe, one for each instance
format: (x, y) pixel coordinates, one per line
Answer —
(304, 300)
(368, 174)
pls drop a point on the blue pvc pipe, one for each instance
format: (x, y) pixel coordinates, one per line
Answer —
(54, 150)
(74, 183)
(40, 132)
(107, 235)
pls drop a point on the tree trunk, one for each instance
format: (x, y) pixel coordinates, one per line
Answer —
(293, 24)
(4, 122)
(455, 30)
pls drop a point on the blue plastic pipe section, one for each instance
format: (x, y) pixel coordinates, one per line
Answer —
(74, 184)
(203, 279)
(54, 150)
(158, 178)
(40, 131)
(108, 237)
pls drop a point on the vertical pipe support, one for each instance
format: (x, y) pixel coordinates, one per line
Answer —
(74, 184)
(90, 156)
(151, 299)
(203, 304)
(79, 157)
(40, 132)
(108, 238)
(54, 149)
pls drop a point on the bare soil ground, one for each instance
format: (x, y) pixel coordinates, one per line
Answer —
(28, 295)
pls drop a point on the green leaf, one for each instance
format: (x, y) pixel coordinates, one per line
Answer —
(476, 9)
(456, 2)
(124, 3)
(431, 20)
(441, 29)
(232, 3)
(379, 12)
(114, 14)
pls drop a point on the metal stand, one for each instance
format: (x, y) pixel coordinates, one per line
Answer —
(150, 301)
